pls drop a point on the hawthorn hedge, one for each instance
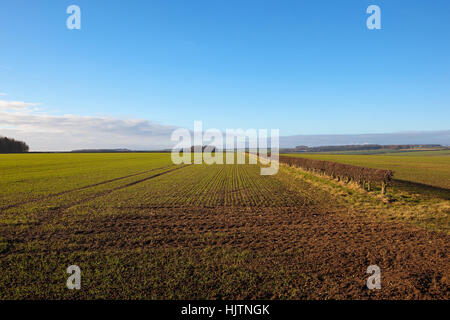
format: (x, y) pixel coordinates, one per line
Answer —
(345, 172)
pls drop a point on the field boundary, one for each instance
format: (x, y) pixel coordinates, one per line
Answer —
(364, 176)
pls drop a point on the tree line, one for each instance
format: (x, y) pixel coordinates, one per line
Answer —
(364, 147)
(8, 145)
(365, 177)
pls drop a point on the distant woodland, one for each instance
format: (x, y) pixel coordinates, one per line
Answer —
(364, 147)
(8, 145)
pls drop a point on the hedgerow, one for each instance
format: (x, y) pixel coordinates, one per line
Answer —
(343, 172)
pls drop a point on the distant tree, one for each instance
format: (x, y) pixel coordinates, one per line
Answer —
(357, 147)
(211, 148)
(8, 145)
(301, 148)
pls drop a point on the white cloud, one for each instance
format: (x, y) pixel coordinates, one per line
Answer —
(16, 105)
(44, 132)
(2, 94)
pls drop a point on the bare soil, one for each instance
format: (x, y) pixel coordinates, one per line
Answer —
(321, 251)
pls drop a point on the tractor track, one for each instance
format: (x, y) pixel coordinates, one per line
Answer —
(106, 192)
(50, 196)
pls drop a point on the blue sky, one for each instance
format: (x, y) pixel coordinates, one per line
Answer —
(305, 67)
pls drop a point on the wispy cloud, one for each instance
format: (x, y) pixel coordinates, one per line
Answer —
(2, 94)
(44, 132)
(16, 105)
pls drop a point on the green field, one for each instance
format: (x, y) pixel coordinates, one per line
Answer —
(427, 167)
(139, 223)
(140, 227)
(26, 177)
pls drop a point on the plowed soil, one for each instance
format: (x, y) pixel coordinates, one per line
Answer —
(136, 247)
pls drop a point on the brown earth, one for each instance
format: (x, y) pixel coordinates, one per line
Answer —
(323, 250)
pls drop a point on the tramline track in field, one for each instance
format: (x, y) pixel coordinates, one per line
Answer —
(54, 195)
(106, 192)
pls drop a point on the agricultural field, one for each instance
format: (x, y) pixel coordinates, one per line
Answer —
(140, 227)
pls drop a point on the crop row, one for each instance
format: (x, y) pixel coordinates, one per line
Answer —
(202, 186)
